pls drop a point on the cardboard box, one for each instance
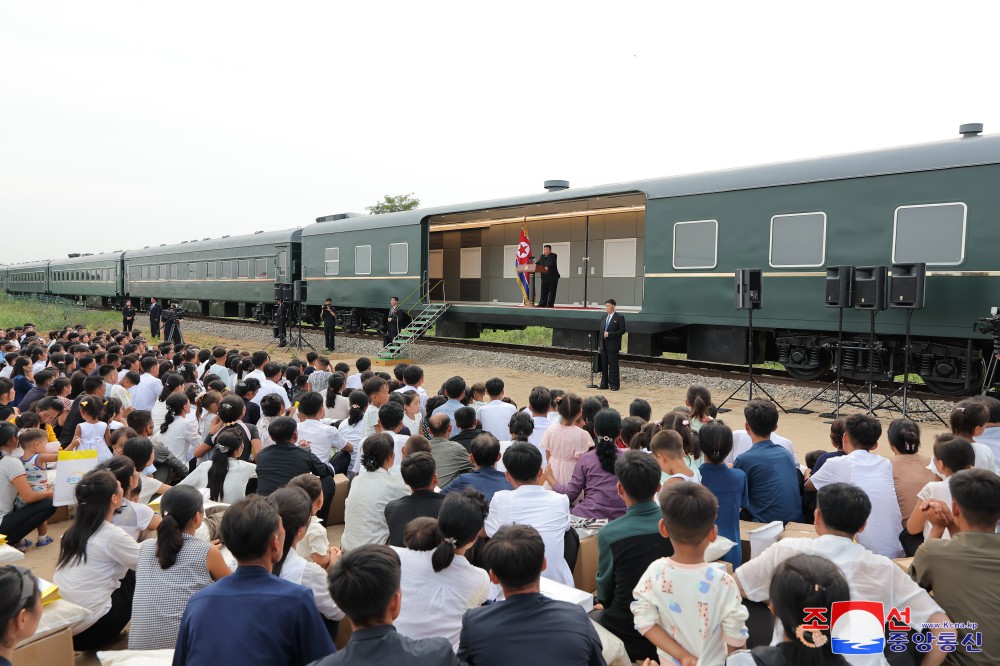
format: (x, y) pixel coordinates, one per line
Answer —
(585, 571)
(799, 531)
(53, 650)
(560, 592)
(343, 484)
(745, 528)
(61, 514)
(904, 563)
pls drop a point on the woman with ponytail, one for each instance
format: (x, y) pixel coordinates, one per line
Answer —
(337, 407)
(352, 428)
(699, 401)
(226, 476)
(20, 609)
(230, 419)
(437, 580)
(563, 443)
(177, 432)
(172, 383)
(594, 474)
(910, 470)
(97, 561)
(364, 509)
(800, 582)
(171, 568)
(295, 508)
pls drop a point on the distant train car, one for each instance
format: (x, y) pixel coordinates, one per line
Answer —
(232, 276)
(97, 278)
(28, 278)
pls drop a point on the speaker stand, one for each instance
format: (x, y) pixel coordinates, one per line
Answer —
(835, 384)
(750, 383)
(593, 352)
(298, 342)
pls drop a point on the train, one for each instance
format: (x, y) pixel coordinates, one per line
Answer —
(666, 249)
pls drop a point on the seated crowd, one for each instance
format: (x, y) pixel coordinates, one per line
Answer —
(460, 503)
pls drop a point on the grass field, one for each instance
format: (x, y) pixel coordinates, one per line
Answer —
(49, 317)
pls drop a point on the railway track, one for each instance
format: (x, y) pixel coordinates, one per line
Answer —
(682, 366)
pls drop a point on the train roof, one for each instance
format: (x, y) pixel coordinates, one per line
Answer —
(226, 242)
(87, 259)
(948, 154)
(28, 265)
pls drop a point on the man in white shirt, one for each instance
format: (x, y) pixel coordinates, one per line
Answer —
(353, 382)
(873, 474)
(260, 359)
(538, 403)
(320, 437)
(842, 512)
(494, 416)
(270, 386)
(149, 386)
(742, 444)
(414, 378)
(531, 504)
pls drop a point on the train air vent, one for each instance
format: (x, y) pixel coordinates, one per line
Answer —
(257, 232)
(226, 236)
(556, 185)
(74, 255)
(970, 129)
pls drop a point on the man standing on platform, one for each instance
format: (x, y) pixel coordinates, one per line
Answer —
(329, 324)
(128, 316)
(550, 279)
(155, 312)
(609, 344)
(392, 321)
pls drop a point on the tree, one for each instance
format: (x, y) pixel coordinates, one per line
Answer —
(393, 204)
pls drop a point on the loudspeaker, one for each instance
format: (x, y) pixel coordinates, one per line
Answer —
(840, 286)
(869, 287)
(749, 288)
(906, 290)
(300, 291)
(278, 291)
(286, 293)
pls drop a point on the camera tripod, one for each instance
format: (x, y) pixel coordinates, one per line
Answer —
(991, 369)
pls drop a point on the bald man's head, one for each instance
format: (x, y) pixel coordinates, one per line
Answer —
(439, 425)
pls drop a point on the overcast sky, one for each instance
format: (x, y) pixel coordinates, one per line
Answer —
(135, 123)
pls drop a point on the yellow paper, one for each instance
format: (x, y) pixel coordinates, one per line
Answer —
(3, 539)
(50, 591)
(77, 455)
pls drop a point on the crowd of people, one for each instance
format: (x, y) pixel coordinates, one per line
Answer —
(460, 502)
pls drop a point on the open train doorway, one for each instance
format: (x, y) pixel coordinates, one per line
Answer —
(599, 241)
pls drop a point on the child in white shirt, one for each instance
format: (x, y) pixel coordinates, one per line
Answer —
(689, 609)
(315, 545)
(92, 434)
(951, 454)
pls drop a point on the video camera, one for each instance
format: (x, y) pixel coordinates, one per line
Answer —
(989, 325)
(174, 313)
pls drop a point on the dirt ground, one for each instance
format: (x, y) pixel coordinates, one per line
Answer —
(807, 431)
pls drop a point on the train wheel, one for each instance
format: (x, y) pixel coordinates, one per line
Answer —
(955, 388)
(812, 372)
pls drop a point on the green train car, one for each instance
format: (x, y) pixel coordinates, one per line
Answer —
(667, 250)
(95, 278)
(31, 277)
(232, 276)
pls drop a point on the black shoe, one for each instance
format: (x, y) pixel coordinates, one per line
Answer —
(602, 388)
(614, 388)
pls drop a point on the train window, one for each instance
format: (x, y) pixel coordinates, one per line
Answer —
(192, 271)
(696, 244)
(331, 261)
(173, 271)
(363, 260)
(619, 257)
(435, 264)
(227, 269)
(283, 264)
(399, 258)
(929, 233)
(244, 268)
(471, 263)
(260, 268)
(210, 270)
(798, 240)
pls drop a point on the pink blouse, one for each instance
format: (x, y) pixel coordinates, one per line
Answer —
(563, 445)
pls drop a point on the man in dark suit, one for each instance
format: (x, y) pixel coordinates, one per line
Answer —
(329, 324)
(365, 585)
(550, 279)
(155, 312)
(527, 627)
(609, 344)
(418, 471)
(395, 321)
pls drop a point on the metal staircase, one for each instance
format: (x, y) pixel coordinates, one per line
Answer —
(419, 325)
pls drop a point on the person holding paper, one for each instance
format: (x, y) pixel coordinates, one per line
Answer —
(19, 523)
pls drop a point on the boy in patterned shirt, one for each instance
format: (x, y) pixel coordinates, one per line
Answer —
(689, 609)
